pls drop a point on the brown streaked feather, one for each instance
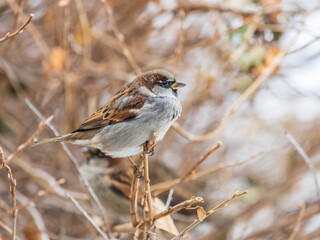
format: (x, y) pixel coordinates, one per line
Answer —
(121, 107)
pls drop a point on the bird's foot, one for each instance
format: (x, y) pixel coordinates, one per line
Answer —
(137, 173)
(149, 146)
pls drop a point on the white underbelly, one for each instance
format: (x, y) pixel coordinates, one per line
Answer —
(126, 152)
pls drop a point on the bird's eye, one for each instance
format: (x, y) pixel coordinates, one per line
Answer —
(166, 84)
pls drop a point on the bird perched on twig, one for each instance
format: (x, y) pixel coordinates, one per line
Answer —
(148, 105)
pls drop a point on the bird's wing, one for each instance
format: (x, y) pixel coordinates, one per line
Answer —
(123, 106)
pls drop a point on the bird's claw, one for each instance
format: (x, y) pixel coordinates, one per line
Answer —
(149, 146)
(150, 153)
(137, 173)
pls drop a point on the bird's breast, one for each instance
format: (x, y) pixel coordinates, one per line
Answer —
(160, 113)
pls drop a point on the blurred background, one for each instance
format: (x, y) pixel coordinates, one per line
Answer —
(74, 55)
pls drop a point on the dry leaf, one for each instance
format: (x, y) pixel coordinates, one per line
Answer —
(57, 60)
(201, 213)
(165, 223)
(272, 52)
(80, 34)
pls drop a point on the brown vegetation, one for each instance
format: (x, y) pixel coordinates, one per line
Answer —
(67, 58)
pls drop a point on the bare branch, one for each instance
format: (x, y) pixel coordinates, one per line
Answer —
(222, 7)
(120, 37)
(13, 185)
(19, 30)
(123, 228)
(267, 73)
(308, 161)
(6, 228)
(169, 198)
(211, 211)
(172, 183)
(201, 160)
(149, 147)
(305, 45)
(37, 217)
(74, 161)
(298, 221)
(178, 50)
(183, 205)
(134, 195)
(39, 195)
(30, 140)
(85, 26)
(75, 202)
(36, 35)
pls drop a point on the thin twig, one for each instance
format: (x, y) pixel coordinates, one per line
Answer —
(18, 13)
(183, 205)
(163, 186)
(284, 222)
(178, 50)
(6, 228)
(149, 147)
(147, 185)
(13, 185)
(267, 73)
(143, 162)
(201, 160)
(85, 27)
(169, 198)
(75, 202)
(120, 37)
(39, 195)
(44, 179)
(36, 35)
(211, 211)
(222, 7)
(37, 217)
(134, 195)
(221, 166)
(305, 45)
(123, 228)
(308, 161)
(189, 173)
(172, 58)
(19, 30)
(30, 140)
(298, 221)
(144, 213)
(75, 162)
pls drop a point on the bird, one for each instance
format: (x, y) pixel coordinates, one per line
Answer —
(147, 105)
(111, 181)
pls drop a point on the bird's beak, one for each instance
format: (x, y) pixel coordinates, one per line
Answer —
(177, 85)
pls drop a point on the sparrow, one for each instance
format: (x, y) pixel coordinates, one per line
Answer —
(111, 181)
(147, 105)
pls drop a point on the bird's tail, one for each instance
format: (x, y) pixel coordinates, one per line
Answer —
(63, 138)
